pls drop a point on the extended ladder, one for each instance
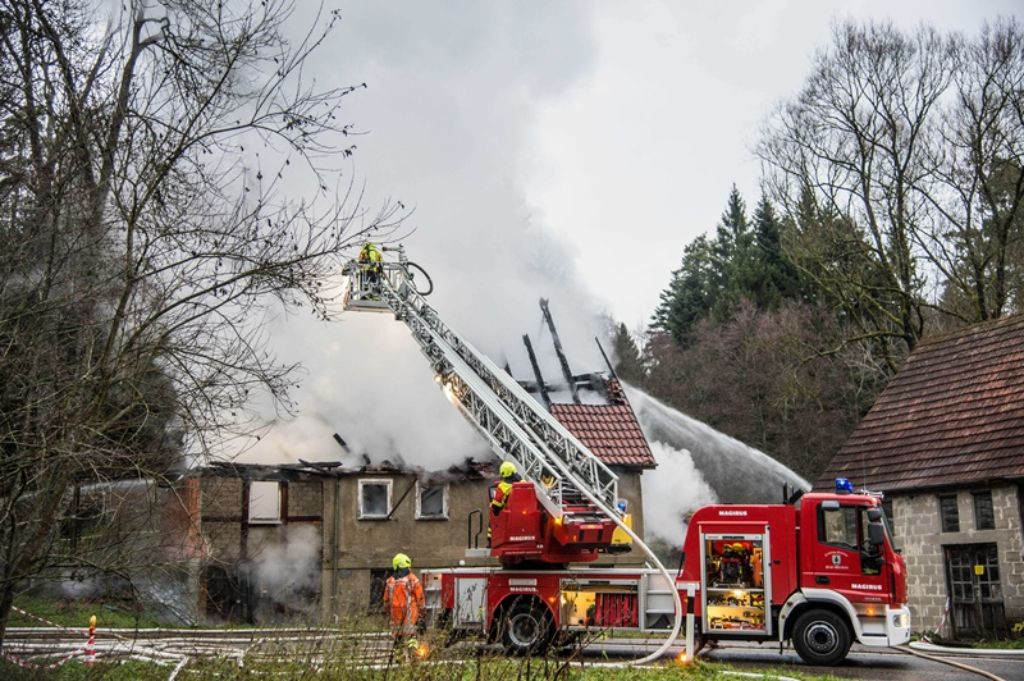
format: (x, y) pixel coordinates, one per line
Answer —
(515, 425)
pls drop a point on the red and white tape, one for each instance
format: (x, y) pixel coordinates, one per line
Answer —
(25, 664)
(44, 620)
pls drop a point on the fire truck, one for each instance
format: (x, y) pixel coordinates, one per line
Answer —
(819, 570)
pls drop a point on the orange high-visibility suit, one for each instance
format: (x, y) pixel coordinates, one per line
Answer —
(404, 597)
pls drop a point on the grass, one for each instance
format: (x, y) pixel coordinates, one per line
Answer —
(76, 613)
(115, 615)
(461, 670)
(1001, 643)
(335, 655)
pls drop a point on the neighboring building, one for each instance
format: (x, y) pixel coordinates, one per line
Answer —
(945, 443)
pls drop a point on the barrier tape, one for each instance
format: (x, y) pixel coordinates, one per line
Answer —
(45, 621)
(25, 664)
(88, 650)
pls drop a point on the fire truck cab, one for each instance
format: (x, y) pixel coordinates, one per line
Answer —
(821, 573)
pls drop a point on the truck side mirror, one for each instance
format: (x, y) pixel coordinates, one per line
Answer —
(874, 515)
(876, 534)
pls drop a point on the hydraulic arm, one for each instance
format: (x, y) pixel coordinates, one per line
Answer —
(577, 492)
(514, 423)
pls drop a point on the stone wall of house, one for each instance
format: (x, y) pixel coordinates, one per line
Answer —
(365, 547)
(918, 530)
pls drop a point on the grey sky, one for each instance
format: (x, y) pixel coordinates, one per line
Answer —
(566, 149)
(616, 127)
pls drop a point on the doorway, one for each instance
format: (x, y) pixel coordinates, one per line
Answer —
(976, 595)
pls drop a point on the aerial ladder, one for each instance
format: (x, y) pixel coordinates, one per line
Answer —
(576, 493)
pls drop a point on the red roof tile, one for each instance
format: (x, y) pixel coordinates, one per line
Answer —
(954, 414)
(611, 431)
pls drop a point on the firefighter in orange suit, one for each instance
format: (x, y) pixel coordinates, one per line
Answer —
(403, 595)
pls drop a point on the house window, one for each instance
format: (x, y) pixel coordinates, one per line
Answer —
(374, 499)
(431, 501)
(949, 514)
(984, 517)
(264, 502)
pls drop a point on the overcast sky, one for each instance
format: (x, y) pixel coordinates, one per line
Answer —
(560, 149)
(616, 127)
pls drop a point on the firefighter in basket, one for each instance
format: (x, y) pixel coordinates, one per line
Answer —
(370, 259)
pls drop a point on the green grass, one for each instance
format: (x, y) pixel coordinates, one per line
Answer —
(499, 669)
(1002, 644)
(76, 613)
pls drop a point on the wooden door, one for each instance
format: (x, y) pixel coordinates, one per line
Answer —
(976, 595)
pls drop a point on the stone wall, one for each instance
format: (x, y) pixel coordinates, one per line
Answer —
(366, 545)
(919, 533)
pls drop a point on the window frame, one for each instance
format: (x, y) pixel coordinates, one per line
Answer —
(419, 500)
(942, 518)
(984, 493)
(364, 482)
(264, 519)
(823, 527)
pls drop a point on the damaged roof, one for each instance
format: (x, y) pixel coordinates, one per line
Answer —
(953, 414)
(610, 431)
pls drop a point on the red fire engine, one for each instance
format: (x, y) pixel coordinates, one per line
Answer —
(819, 571)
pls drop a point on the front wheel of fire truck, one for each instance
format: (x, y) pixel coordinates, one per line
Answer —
(526, 628)
(821, 637)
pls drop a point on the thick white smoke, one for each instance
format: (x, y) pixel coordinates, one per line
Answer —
(450, 133)
(288, 571)
(671, 491)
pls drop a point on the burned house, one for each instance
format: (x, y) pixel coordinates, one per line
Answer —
(290, 540)
(314, 541)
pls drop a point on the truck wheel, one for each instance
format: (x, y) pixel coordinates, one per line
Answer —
(821, 637)
(526, 629)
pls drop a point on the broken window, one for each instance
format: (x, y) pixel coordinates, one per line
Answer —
(264, 501)
(378, 581)
(431, 501)
(374, 499)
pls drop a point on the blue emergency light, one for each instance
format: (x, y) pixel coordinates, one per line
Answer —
(843, 486)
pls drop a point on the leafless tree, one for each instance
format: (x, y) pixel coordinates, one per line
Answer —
(144, 232)
(857, 136)
(912, 146)
(975, 184)
(760, 377)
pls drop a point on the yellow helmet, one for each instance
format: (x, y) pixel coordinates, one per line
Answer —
(401, 561)
(507, 469)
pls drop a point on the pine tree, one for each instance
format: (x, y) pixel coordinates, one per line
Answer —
(628, 365)
(733, 265)
(690, 295)
(776, 279)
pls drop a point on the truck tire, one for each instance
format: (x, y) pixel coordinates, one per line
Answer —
(526, 628)
(821, 637)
